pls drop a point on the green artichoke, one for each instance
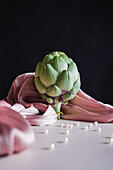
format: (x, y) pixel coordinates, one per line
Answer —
(57, 79)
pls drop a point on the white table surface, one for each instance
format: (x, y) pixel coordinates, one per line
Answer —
(85, 150)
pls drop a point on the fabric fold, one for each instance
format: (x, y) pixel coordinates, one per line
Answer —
(85, 108)
(24, 95)
(16, 134)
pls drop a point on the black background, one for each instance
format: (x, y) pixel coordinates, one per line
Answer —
(81, 29)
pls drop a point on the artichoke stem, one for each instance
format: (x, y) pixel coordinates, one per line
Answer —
(57, 109)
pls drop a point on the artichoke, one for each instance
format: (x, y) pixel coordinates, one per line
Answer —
(57, 79)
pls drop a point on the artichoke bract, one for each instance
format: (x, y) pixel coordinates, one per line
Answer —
(57, 79)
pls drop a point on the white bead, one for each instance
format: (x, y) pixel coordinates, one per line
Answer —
(77, 123)
(110, 140)
(99, 129)
(86, 127)
(52, 146)
(90, 125)
(46, 131)
(67, 132)
(112, 135)
(65, 140)
(96, 123)
(71, 125)
(67, 125)
(62, 124)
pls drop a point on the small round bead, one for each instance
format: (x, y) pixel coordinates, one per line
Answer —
(67, 132)
(110, 140)
(77, 123)
(86, 127)
(99, 129)
(90, 125)
(96, 123)
(52, 146)
(46, 131)
(111, 135)
(62, 124)
(71, 125)
(67, 125)
(65, 140)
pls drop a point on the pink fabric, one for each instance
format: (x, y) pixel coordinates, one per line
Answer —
(15, 132)
(24, 93)
(85, 108)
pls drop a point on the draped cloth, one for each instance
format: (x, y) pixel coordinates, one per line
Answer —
(23, 107)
